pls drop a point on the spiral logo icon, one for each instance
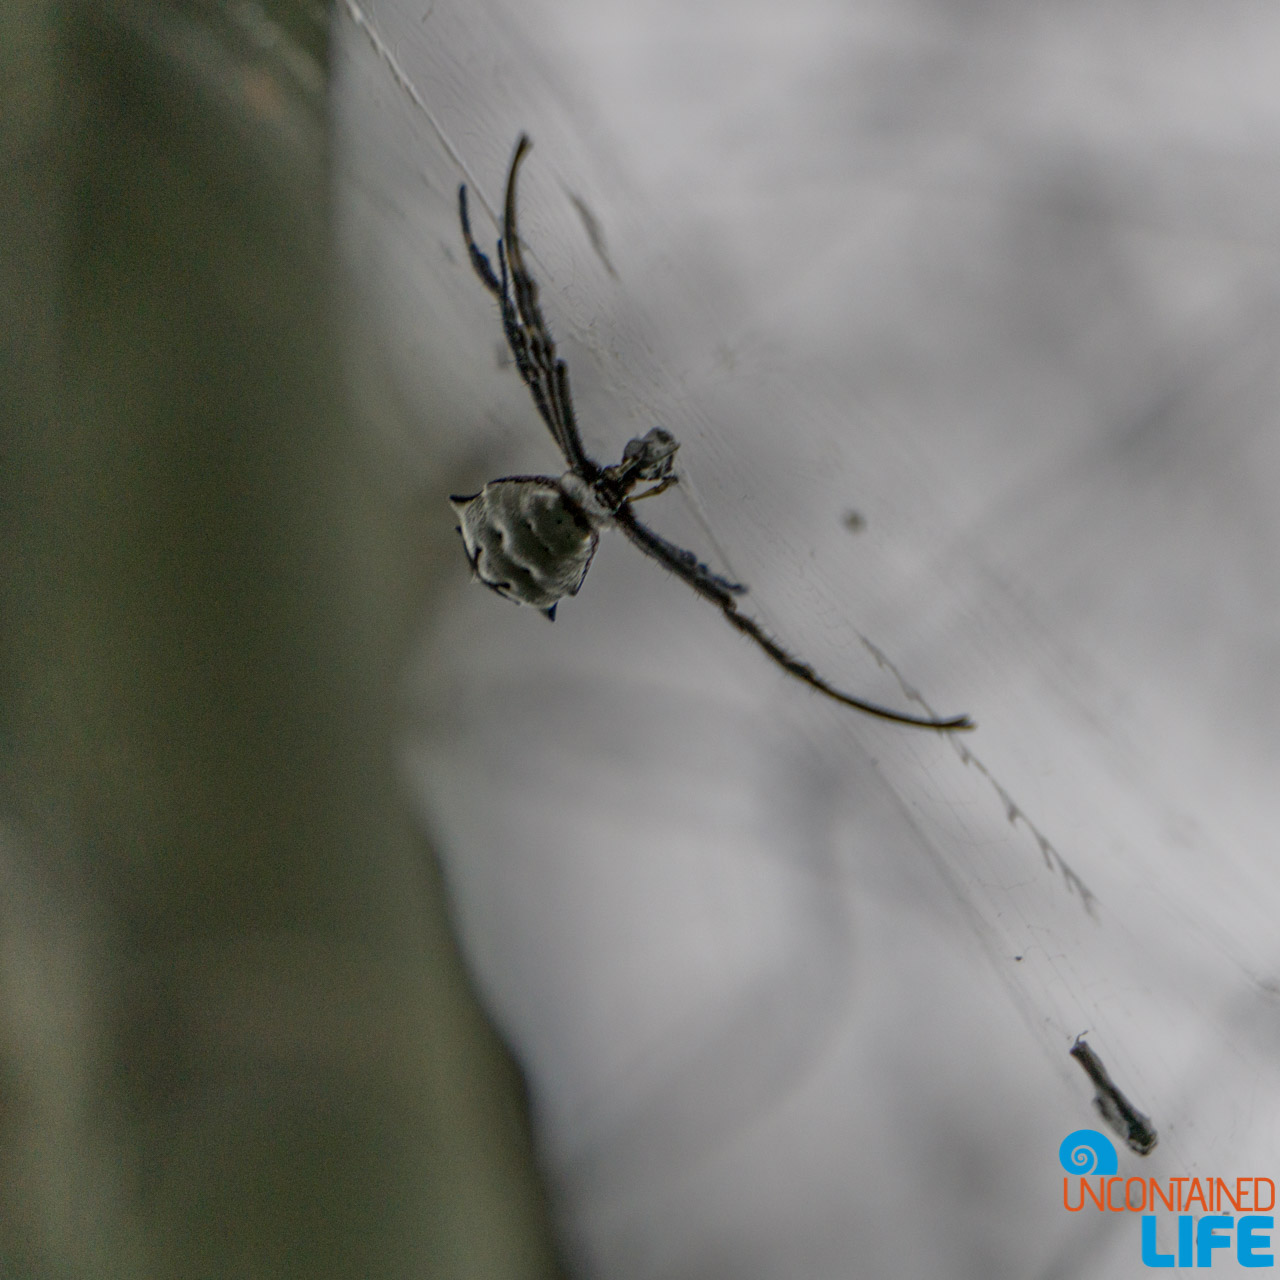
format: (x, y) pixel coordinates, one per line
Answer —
(1086, 1152)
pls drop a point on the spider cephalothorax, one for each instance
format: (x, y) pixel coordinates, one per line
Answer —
(532, 538)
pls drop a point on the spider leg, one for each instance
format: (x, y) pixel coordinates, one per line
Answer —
(526, 332)
(518, 341)
(722, 593)
(516, 337)
(661, 487)
(552, 372)
(482, 265)
(802, 671)
(684, 564)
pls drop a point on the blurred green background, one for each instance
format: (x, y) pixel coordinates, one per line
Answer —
(235, 1035)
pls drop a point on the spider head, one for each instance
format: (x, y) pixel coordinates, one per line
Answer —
(528, 539)
(650, 456)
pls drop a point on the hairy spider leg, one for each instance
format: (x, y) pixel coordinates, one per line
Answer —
(722, 592)
(661, 487)
(684, 564)
(802, 671)
(579, 459)
(512, 327)
(542, 348)
(510, 319)
(481, 264)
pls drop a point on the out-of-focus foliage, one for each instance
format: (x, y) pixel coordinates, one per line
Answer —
(235, 1036)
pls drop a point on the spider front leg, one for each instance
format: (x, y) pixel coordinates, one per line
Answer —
(498, 284)
(802, 671)
(722, 593)
(532, 346)
(661, 487)
(479, 260)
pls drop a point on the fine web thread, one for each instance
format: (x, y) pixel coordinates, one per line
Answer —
(1053, 858)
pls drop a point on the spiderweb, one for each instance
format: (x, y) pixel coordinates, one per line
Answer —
(967, 325)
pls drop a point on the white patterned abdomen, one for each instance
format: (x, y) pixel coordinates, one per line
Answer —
(527, 538)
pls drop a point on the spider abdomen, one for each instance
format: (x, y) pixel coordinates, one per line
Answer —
(527, 539)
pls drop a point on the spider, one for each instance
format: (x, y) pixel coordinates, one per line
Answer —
(532, 538)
